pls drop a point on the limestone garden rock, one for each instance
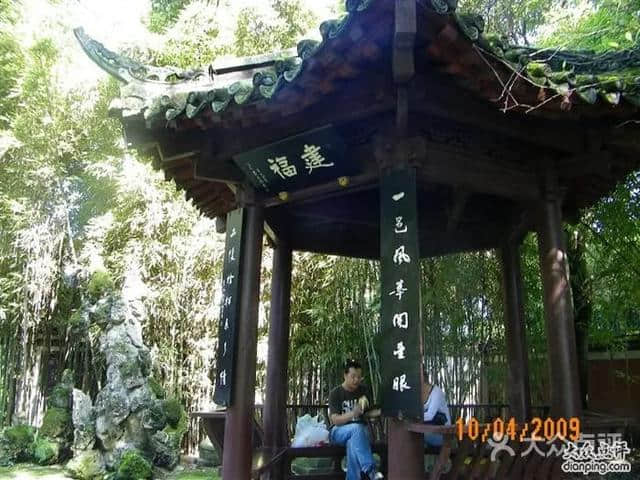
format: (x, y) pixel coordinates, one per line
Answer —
(55, 436)
(87, 465)
(82, 415)
(130, 413)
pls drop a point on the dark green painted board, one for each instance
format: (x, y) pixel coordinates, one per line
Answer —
(400, 306)
(310, 158)
(229, 308)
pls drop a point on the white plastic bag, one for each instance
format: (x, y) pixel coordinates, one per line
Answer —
(310, 431)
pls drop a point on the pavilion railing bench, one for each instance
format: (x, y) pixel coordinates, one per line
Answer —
(214, 425)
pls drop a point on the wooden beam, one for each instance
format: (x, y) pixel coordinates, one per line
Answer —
(460, 197)
(324, 190)
(438, 95)
(478, 173)
(403, 40)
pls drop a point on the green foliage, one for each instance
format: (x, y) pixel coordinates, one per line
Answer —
(60, 397)
(164, 13)
(256, 33)
(56, 423)
(100, 284)
(156, 388)
(517, 21)
(133, 466)
(609, 25)
(15, 444)
(174, 411)
(45, 451)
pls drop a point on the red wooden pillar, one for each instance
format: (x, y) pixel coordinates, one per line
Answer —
(405, 451)
(275, 403)
(237, 454)
(518, 363)
(558, 307)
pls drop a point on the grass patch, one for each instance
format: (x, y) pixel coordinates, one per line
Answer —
(34, 472)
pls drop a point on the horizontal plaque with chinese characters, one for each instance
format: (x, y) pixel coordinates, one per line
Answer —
(229, 308)
(310, 158)
(400, 310)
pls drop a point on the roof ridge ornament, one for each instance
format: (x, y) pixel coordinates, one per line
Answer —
(128, 70)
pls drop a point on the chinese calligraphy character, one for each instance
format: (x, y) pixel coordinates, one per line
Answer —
(313, 159)
(401, 320)
(223, 378)
(400, 383)
(400, 257)
(229, 279)
(400, 290)
(398, 196)
(226, 324)
(233, 232)
(399, 351)
(232, 253)
(224, 349)
(227, 301)
(281, 167)
(400, 226)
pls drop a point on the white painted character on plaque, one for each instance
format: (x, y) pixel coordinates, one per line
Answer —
(232, 254)
(400, 256)
(399, 351)
(399, 291)
(227, 301)
(401, 320)
(224, 349)
(398, 196)
(233, 232)
(229, 279)
(223, 378)
(226, 324)
(400, 383)
(313, 159)
(400, 226)
(281, 167)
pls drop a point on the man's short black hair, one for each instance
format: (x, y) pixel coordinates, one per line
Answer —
(351, 364)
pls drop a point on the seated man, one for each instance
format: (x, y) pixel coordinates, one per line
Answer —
(348, 427)
(436, 411)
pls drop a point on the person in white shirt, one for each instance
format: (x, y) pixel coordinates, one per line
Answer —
(436, 411)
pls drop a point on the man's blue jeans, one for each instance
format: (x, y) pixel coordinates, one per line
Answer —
(355, 437)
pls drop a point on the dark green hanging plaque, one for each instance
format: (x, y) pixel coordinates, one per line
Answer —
(400, 306)
(310, 158)
(229, 308)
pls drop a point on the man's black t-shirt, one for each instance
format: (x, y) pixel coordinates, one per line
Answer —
(342, 401)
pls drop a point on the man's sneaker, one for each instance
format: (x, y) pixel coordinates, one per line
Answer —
(376, 476)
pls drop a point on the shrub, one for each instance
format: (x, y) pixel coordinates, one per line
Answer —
(173, 411)
(99, 284)
(133, 466)
(15, 444)
(156, 388)
(45, 452)
(56, 423)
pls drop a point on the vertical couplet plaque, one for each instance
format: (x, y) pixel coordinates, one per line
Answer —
(400, 309)
(229, 308)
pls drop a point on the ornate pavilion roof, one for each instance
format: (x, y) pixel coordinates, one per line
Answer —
(472, 95)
